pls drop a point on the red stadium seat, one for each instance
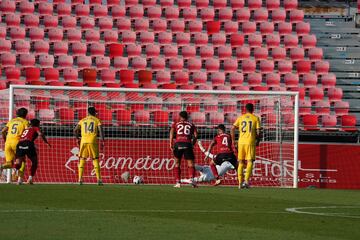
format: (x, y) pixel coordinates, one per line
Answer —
(181, 78)
(229, 107)
(182, 38)
(310, 80)
(309, 41)
(278, 53)
(304, 107)
(110, 36)
(236, 79)
(83, 62)
(121, 62)
(198, 118)
(115, 50)
(45, 8)
(236, 40)
(285, 66)
(315, 54)
(46, 61)
(50, 21)
(152, 50)
(341, 108)
(200, 39)
(102, 62)
(328, 80)
(216, 118)
(272, 4)
(297, 54)
(284, 28)
(97, 49)
(206, 52)
(47, 116)
(261, 15)
(161, 118)
(162, 77)
(268, 28)
(78, 48)
(322, 67)
(92, 35)
(31, 21)
(254, 79)
(302, 28)
(123, 24)
(212, 65)
(100, 11)
(68, 22)
(266, 66)
(316, 94)
(218, 39)
(243, 52)
(213, 27)
(188, 51)
(5, 46)
(272, 79)
(248, 66)
(261, 53)
(170, 51)
(224, 52)
(133, 50)
(159, 25)
(255, 40)
(217, 78)
(60, 48)
(27, 60)
(138, 63)
(82, 10)
(73, 35)
(310, 122)
(278, 15)
(171, 12)
(210, 105)
(335, 94)
(248, 27)
(290, 4)
(291, 41)
(296, 15)
(157, 63)
(199, 77)
(12, 20)
(66, 116)
(322, 108)
(63, 9)
(230, 65)
(254, 4)
(17, 33)
(105, 23)
(118, 11)
(329, 122)
(51, 74)
(126, 76)
(348, 123)
(303, 66)
(225, 14)
(193, 64)
(136, 11)
(55, 35)
(195, 26)
(70, 74)
(231, 27)
(242, 14)
(128, 37)
(165, 38)
(142, 117)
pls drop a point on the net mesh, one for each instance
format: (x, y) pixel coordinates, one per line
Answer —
(137, 127)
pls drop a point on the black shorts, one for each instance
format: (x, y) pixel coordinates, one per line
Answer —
(26, 148)
(184, 149)
(223, 157)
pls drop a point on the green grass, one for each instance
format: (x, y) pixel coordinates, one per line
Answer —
(162, 212)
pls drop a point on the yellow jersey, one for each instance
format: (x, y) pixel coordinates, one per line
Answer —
(16, 126)
(89, 129)
(248, 124)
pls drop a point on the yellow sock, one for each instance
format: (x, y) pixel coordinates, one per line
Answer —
(22, 170)
(97, 169)
(81, 168)
(249, 168)
(240, 171)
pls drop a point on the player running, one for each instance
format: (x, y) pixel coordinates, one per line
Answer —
(225, 152)
(87, 131)
(11, 134)
(26, 147)
(249, 137)
(185, 135)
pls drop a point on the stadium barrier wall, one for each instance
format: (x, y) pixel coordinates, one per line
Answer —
(320, 165)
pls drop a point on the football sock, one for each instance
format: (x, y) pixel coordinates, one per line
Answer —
(22, 170)
(33, 169)
(214, 171)
(97, 169)
(177, 173)
(240, 172)
(249, 168)
(81, 168)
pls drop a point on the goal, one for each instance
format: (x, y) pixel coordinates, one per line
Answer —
(137, 123)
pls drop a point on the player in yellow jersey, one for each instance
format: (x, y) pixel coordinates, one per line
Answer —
(249, 127)
(87, 130)
(11, 134)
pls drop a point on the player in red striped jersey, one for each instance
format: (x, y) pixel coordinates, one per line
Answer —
(26, 147)
(225, 151)
(183, 136)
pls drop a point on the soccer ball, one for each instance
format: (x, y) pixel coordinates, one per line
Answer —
(138, 180)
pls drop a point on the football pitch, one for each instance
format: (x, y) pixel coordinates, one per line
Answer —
(162, 212)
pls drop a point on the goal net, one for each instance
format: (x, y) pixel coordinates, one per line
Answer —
(137, 123)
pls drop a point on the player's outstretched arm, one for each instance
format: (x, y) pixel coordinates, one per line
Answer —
(171, 140)
(42, 135)
(4, 133)
(209, 150)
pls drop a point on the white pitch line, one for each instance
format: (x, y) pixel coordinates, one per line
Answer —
(300, 210)
(129, 211)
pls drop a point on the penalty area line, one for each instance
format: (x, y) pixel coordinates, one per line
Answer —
(305, 210)
(131, 211)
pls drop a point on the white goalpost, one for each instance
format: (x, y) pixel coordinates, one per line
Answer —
(137, 123)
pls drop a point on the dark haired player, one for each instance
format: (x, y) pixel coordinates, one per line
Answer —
(249, 127)
(26, 147)
(225, 152)
(183, 136)
(11, 134)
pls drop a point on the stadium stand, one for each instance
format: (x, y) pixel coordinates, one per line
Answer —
(222, 44)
